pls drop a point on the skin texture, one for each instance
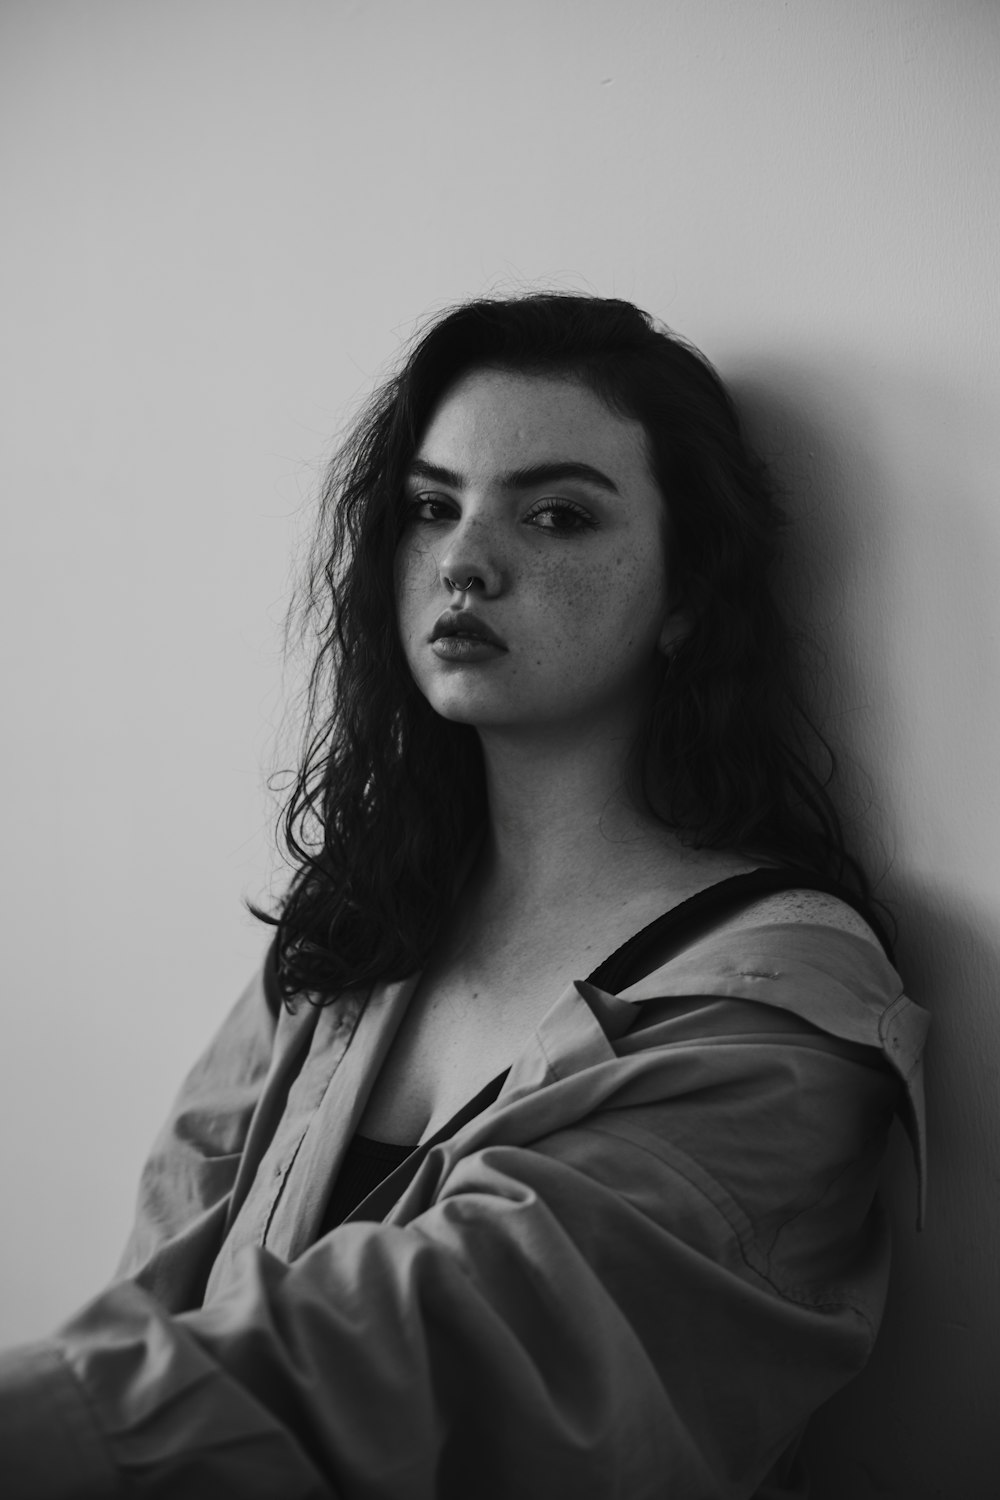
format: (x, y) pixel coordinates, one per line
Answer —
(578, 593)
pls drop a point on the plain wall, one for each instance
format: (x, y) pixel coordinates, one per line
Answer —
(221, 220)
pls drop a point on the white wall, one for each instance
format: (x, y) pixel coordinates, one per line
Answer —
(221, 218)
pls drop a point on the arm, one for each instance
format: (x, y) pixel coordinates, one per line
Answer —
(649, 1301)
(186, 1185)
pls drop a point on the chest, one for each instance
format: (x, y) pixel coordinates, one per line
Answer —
(458, 1032)
(471, 1014)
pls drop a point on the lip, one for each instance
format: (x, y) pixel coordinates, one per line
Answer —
(465, 648)
(462, 625)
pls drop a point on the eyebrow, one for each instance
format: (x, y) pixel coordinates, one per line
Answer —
(528, 478)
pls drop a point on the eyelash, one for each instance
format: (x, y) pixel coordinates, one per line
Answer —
(583, 519)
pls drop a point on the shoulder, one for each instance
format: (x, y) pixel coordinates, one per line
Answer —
(814, 908)
(803, 906)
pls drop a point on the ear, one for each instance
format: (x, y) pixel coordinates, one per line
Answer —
(673, 630)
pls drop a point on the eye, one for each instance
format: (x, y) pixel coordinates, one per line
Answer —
(561, 517)
(427, 509)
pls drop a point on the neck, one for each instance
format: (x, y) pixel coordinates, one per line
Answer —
(561, 819)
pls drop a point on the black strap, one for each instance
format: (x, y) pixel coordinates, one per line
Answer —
(643, 952)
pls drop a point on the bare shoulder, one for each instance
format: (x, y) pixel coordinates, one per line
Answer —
(814, 907)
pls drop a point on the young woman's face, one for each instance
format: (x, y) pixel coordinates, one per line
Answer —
(533, 489)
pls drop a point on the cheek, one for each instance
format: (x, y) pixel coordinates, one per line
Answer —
(615, 605)
(413, 565)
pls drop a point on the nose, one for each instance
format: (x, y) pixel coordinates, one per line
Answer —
(471, 560)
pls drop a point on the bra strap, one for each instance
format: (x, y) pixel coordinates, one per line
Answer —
(642, 952)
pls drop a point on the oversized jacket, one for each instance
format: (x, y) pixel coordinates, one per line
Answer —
(634, 1274)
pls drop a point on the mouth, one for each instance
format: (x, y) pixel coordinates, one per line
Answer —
(463, 625)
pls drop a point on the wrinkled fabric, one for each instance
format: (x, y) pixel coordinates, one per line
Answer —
(635, 1274)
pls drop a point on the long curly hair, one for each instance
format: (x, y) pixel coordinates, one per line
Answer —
(388, 795)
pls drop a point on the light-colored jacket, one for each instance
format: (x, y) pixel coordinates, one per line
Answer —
(634, 1275)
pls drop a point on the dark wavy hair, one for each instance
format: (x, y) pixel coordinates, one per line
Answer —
(388, 794)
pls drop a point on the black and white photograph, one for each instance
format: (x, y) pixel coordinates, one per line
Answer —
(501, 683)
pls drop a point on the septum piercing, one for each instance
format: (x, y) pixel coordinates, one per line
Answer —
(463, 588)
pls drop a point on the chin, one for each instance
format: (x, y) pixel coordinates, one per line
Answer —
(467, 711)
(471, 703)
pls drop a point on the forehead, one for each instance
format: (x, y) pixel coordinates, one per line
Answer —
(492, 420)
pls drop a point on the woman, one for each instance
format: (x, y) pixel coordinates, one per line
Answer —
(541, 1158)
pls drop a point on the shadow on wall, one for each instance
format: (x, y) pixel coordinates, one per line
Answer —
(919, 1423)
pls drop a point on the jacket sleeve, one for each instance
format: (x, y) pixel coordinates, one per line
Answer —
(649, 1302)
(186, 1184)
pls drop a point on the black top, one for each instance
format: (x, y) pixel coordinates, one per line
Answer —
(368, 1162)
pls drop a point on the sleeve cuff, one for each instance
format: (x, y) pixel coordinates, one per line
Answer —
(50, 1448)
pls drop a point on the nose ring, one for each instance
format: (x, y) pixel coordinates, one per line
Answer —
(462, 587)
